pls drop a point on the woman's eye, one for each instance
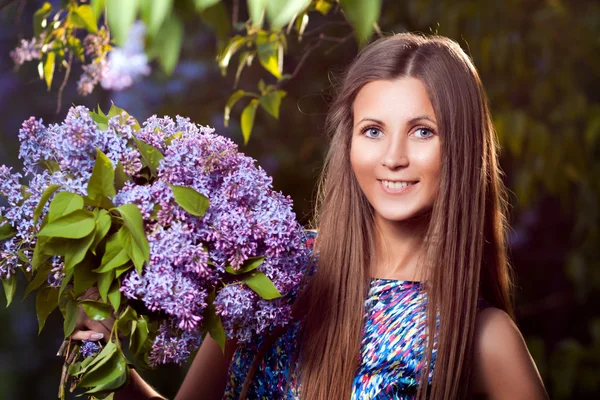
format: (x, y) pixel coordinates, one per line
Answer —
(372, 133)
(424, 133)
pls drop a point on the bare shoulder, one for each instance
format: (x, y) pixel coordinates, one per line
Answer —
(503, 367)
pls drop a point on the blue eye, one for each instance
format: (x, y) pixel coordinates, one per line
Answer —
(372, 132)
(424, 133)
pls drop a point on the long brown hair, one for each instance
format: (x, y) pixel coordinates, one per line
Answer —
(466, 261)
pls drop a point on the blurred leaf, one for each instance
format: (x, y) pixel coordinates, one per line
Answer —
(256, 9)
(270, 52)
(120, 16)
(43, 200)
(75, 225)
(101, 182)
(190, 200)
(40, 15)
(49, 64)
(63, 204)
(204, 4)
(10, 287)
(96, 310)
(167, 44)
(272, 101)
(231, 102)
(362, 15)
(83, 17)
(248, 119)
(323, 6)
(301, 24)
(97, 7)
(154, 13)
(235, 43)
(262, 285)
(217, 19)
(281, 12)
(246, 58)
(45, 302)
(70, 317)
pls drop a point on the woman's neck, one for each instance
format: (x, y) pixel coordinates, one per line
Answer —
(398, 247)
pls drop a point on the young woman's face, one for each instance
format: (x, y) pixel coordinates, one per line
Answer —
(395, 152)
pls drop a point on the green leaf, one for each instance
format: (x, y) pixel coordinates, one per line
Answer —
(7, 231)
(112, 386)
(123, 322)
(96, 310)
(97, 8)
(249, 265)
(280, 13)
(167, 43)
(83, 277)
(134, 251)
(204, 4)
(63, 204)
(231, 102)
(43, 200)
(262, 285)
(70, 317)
(132, 217)
(40, 277)
(103, 224)
(114, 295)
(40, 15)
(150, 155)
(190, 200)
(139, 336)
(248, 119)
(218, 19)
(120, 16)
(270, 52)
(39, 257)
(49, 64)
(100, 119)
(93, 363)
(272, 101)
(10, 287)
(362, 15)
(45, 302)
(105, 280)
(213, 322)
(65, 282)
(107, 372)
(83, 17)
(75, 225)
(101, 202)
(256, 9)
(235, 43)
(323, 6)
(115, 254)
(122, 269)
(154, 13)
(101, 182)
(77, 249)
(246, 59)
(120, 177)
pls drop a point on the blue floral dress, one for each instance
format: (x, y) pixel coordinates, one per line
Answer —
(391, 357)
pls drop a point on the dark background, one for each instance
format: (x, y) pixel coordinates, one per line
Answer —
(539, 61)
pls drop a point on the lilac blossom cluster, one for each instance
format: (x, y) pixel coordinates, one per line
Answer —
(89, 348)
(189, 255)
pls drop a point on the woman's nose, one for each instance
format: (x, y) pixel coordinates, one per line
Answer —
(394, 156)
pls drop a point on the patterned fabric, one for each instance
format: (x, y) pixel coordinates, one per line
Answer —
(392, 349)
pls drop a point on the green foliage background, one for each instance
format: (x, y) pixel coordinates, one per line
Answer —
(539, 63)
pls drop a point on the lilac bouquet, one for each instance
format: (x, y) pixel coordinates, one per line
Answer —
(181, 234)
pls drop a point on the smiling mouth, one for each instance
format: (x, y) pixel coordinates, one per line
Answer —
(397, 185)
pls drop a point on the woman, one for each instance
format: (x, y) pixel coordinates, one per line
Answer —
(412, 240)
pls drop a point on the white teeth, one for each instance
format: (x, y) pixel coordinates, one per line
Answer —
(397, 185)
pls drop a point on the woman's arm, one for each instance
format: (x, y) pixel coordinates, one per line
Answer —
(504, 369)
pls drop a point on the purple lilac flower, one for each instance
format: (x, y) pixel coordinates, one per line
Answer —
(93, 73)
(129, 63)
(172, 346)
(95, 44)
(28, 50)
(57, 273)
(89, 348)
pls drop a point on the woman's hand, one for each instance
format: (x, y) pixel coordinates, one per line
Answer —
(88, 329)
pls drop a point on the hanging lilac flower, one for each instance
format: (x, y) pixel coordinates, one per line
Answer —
(170, 346)
(89, 348)
(129, 63)
(93, 73)
(28, 50)
(57, 273)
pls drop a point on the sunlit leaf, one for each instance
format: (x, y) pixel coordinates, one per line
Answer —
(154, 13)
(190, 200)
(120, 17)
(50, 190)
(150, 155)
(235, 43)
(115, 254)
(249, 265)
(362, 15)
(63, 204)
(103, 224)
(75, 225)
(270, 52)
(49, 64)
(280, 13)
(272, 101)
(97, 7)
(83, 17)
(248, 119)
(40, 15)
(262, 285)
(256, 9)
(101, 182)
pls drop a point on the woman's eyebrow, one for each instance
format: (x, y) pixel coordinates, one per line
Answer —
(370, 119)
(421, 117)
